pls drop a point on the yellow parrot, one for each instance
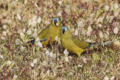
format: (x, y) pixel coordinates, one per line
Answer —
(74, 45)
(68, 43)
(51, 31)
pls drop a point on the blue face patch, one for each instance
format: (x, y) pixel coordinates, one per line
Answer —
(55, 19)
(65, 28)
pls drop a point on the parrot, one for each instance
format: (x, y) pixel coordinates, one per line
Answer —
(74, 45)
(51, 30)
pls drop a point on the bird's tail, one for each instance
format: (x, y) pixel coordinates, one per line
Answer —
(98, 44)
(27, 44)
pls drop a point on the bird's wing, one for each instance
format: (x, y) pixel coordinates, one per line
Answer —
(80, 43)
(44, 33)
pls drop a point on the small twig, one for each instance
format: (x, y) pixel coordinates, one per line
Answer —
(87, 52)
(100, 14)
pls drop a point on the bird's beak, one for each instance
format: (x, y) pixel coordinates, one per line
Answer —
(63, 31)
(55, 22)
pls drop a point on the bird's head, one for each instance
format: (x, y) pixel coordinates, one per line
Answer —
(56, 22)
(64, 30)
